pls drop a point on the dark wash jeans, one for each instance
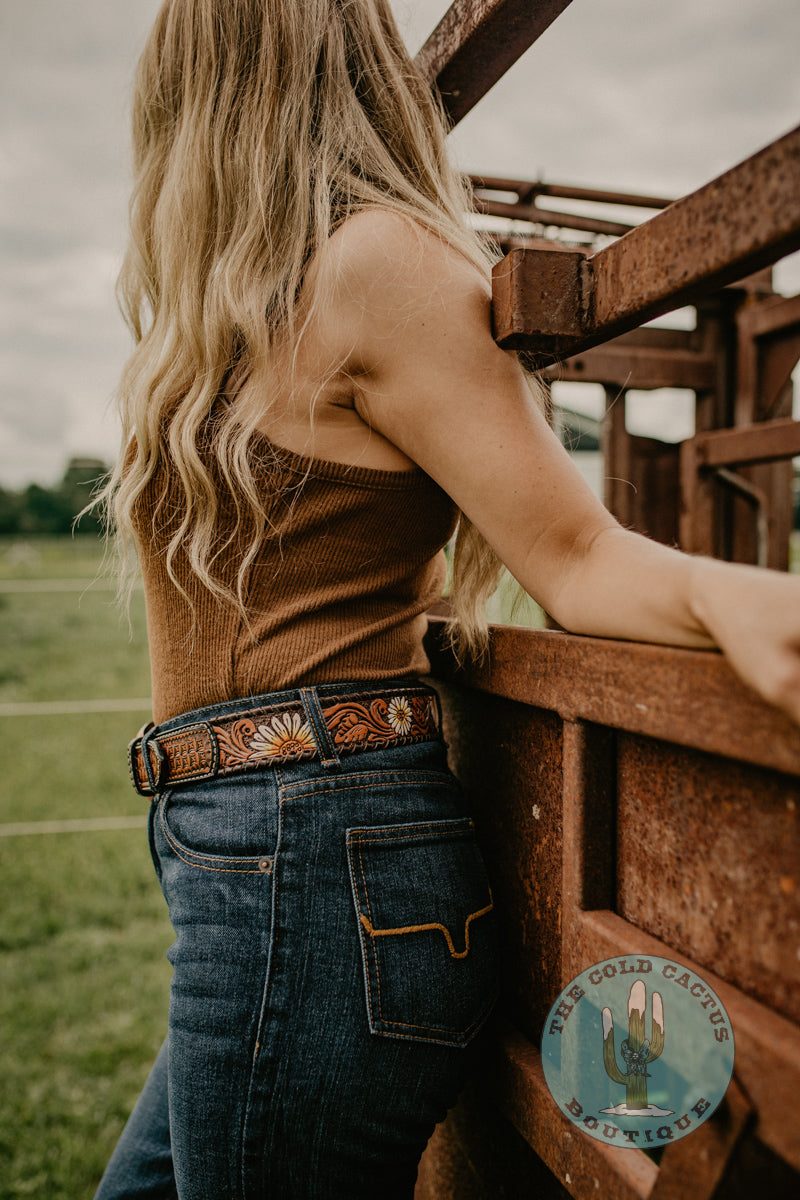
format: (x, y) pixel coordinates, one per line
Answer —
(308, 1057)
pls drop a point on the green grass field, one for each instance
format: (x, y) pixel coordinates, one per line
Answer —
(84, 927)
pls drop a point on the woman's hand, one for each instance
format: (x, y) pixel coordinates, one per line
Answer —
(753, 615)
(626, 586)
(411, 321)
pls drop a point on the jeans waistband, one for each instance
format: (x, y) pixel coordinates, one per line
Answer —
(259, 732)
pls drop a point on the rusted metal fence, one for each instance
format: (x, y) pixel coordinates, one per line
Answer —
(630, 800)
(637, 799)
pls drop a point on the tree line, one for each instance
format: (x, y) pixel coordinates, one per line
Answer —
(52, 510)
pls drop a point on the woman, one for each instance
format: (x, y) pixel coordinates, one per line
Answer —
(314, 401)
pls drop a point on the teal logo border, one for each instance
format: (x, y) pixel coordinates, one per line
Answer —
(638, 1051)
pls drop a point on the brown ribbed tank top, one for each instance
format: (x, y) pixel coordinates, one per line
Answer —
(339, 590)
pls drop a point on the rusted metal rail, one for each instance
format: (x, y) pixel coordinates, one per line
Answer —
(642, 359)
(748, 444)
(491, 198)
(738, 361)
(597, 769)
(644, 802)
(544, 216)
(556, 304)
(526, 192)
(476, 42)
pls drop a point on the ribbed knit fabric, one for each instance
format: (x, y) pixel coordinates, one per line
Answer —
(339, 591)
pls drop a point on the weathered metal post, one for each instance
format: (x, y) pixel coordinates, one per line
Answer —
(637, 799)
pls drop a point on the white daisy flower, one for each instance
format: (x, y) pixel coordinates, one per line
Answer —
(399, 715)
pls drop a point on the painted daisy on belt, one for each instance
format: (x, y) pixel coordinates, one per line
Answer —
(399, 714)
(286, 734)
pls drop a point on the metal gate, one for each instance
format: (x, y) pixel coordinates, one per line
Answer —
(634, 798)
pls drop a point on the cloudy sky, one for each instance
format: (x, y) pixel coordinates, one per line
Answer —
(628, 94)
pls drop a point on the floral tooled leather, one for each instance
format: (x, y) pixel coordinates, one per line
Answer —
(264, 737)
(383, 722)
(283, 737)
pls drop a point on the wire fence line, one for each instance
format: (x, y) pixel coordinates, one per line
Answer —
(18, 586)
(78, 825)
(63, 708)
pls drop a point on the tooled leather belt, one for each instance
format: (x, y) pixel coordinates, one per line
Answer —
(252, 738)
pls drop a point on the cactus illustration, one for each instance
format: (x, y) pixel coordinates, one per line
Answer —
(637, 1050)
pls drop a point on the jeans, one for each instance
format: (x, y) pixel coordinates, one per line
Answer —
(335, 956)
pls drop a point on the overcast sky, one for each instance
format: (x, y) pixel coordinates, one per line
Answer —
(628, 94)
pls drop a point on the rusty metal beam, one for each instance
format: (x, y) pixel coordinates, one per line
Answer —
(629, 366)
(476, 42)
(696, 524)
(767, 1045)
(658, 338)
(768, 347)
(764, 442)
(691, 697)
(696, 1166)
(591, 933)
(738, 223)
(543, 216)
(537, 302)
(777, 358)
(526, 190)
(591, 833)
(771, 317)
(518, 1088)
(767, 353)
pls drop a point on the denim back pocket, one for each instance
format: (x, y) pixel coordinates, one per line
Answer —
(426, 924)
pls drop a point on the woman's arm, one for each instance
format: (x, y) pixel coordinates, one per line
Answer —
(430, 378)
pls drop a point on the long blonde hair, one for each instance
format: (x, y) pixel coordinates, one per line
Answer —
(258, 127)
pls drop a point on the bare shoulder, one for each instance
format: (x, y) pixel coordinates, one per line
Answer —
(379, 252)
(386, 282)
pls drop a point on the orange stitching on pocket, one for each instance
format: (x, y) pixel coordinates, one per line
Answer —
(365, 921)
(357, 839)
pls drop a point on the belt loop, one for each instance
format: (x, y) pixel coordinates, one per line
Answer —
(153, 779)
(313, 710)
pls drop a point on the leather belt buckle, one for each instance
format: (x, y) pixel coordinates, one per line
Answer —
(161, 762)
(134, 746)
(188, 753)
(136, 764)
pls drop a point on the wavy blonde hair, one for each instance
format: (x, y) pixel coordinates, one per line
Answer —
(258, 127)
